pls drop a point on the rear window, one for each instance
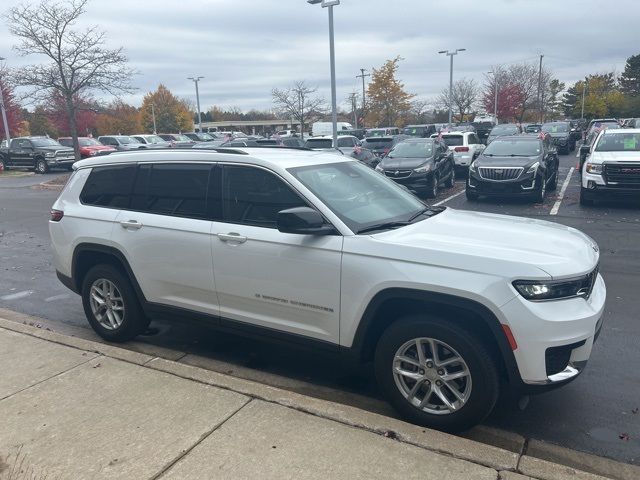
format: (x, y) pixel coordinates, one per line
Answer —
(109, 186)
(379, 142)
(453, 140)
(319, 143)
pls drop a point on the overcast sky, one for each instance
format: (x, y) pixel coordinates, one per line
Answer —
(244, 48)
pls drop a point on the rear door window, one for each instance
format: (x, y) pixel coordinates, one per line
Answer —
(109, 186)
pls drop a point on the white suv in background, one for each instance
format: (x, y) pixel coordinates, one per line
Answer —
(466, 146)
(322, 250)
(612, 167)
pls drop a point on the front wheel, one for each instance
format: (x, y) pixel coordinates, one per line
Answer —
(585, 197)
(432, 189)
(436, 374)
(111, 305)
(41, 166)
(451, 181)
(538, 194)
(553, 181)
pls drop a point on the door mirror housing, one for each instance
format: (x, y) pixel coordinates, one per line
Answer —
(585, 150)
(303, 221)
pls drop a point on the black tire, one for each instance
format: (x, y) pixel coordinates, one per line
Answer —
(432, 189)
(133, 323)
(585, 197)
(471, 196)
(552, 183)
(484, 384)
(538, 194)
(451, 181)
(41, 166)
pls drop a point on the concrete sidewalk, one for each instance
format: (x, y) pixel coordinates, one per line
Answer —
(73, 408)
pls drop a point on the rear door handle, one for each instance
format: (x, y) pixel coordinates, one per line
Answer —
(131, 224)
(232, 237)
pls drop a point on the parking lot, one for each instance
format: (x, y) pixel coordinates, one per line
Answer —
(598, 413)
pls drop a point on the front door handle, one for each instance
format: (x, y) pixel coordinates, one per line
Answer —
(131, 224)
(232, 237)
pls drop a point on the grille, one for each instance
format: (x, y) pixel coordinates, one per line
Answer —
(500, 173)
(627, 175)
(65, 155)
(397, 173)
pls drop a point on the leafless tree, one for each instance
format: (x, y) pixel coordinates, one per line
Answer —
(299, 102)
(464, 99)
(79, 61)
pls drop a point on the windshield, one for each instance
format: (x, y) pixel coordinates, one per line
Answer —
(505, 147)
(154, 139)
(182, 138)
(532, 129)
(319, 143)
(358, 195)
(377, 133)
(126, 140)
(88, 142)
(619, 142)
(412, 150)
(415, 131)
(504, 130)
(453, 140)
(44, 142)
(555, 127)
(378, 142)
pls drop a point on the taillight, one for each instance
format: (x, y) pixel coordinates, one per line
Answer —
(56, 215)
(461, 149)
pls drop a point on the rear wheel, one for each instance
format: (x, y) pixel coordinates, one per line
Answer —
(111, 305)
(436, 374)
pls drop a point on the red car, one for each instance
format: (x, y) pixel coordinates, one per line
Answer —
(89, 147)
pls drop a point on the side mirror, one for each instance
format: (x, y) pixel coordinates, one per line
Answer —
(303, 221)
(585, 150)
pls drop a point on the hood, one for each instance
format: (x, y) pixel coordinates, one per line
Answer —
(54, 148)
(97, 148)
(484, 161)
(402, 162)
(514, 247)
(602, 157)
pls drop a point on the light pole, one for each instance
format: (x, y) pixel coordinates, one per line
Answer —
(4, 113)
(450, 55)
(584, 88)
(495, 94)
(153, 115)
(196, 80)
(334, 111)
(364, 105)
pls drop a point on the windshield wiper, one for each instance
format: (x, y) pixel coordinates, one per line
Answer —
(431, 210)
(382, 226)
(518, 155)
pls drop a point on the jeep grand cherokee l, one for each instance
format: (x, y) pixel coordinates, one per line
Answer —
(320, 249)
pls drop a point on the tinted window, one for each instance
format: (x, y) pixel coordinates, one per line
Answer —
(453, 140)
(253, 196)
(178, 190)
(67, 142)
(109, 186)
(507, 147)
(346, 142)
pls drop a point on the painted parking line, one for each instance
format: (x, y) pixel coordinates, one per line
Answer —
(63, 296)
(17, 295)
(448, 198)
(556, 206)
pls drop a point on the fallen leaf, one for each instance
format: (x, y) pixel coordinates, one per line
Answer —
(624, 436)
(391, 434)
(97, 365)
(635, 410)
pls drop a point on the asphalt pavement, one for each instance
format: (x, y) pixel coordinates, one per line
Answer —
(597, 413)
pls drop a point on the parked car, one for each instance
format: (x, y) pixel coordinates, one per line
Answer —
(484, 124)
(199, 137)
(241, 142)
(319, 129)
(213, 144)
(177, 139)
(382, 132)
(380, 146)
(121, 142)
(503, 130)
(612, 166)
(520, 165)
(313, 248)
(89, 147)
(420, 131)
(602, 122)
(533, 128)
(466, 146)
(560, 133)
(359, 133)
(152, 141)
(346, 143)
(365, 156)
(39, 154)
(420, 164)
(591, 136)
(286, 133)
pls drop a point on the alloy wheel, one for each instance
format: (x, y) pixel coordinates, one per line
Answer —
(432, 376)
(107, 304)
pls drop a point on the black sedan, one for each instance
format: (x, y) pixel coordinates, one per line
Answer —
(561, 136)
(521, 165)
(421, 165)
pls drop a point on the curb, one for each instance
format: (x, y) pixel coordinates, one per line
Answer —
(511, 465)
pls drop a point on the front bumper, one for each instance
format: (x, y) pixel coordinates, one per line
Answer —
(412, 180)
(596, 185)
(571, 325)
(59, 162)
(462, 159)
(525, 184)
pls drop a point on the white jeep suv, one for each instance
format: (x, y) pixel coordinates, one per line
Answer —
(320, 249)
(466, 147)
(612, 165)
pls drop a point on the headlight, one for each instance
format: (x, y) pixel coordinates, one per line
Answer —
(594, 168)
(379, 168)
(534, 291)
(93, 152)
(472, 166)
(533, 167)
(50, 154)
(427, 167)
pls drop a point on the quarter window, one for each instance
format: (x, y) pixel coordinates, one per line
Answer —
(109, 186)
(252, 196)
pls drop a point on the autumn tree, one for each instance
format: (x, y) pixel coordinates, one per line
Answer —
(630, 78)
(509, 96)
(387, 101)
(118, 118)
(78, 59)
(602, 98)
(553, 99)
(464, 97)
(40, 123)
(86, 114)
(172, 115)
(299, 102)
(12, 108)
